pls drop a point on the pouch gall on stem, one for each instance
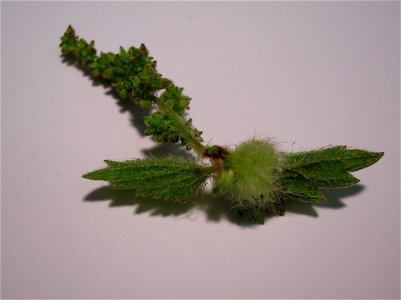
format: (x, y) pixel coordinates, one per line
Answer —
(249, 179)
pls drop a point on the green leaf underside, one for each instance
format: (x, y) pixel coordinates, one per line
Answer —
(168, 178)
(306, 172)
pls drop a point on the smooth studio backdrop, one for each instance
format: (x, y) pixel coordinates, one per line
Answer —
(308, 74)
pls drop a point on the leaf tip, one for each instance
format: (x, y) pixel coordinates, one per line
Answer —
(87, 175)
(109, 163)
(372, 158)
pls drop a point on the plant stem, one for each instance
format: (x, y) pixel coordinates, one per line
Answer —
(192, 141)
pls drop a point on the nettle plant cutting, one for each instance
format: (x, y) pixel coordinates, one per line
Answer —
(255, 178)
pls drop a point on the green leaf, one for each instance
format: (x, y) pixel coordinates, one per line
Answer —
(355, 159)
(304, 173)
(327, 174)
(351, 159)
(297, 187)
(169, 178)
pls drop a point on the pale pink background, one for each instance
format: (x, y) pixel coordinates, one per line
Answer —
(308, 74)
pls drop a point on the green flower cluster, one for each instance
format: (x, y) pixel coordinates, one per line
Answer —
(133, 75)
(165, 126)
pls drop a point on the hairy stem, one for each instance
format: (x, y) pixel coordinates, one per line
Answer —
(192, 141)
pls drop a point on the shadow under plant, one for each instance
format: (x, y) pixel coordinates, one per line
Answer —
(214, 208)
